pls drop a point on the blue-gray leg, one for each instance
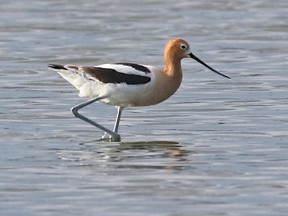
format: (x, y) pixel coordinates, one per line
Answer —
(114, 135)
(117, 121)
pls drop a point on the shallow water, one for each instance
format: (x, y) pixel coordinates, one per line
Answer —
(217, 147)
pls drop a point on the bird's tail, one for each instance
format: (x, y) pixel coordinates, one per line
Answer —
(70, 73)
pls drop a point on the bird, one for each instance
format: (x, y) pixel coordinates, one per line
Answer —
(128, 84)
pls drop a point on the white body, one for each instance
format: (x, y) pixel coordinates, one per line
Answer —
(119, 94)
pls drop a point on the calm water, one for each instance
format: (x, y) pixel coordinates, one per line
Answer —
(217, 147)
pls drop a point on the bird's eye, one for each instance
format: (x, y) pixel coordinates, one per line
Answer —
(183, 46)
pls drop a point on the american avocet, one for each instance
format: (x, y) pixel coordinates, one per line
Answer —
(128, 84)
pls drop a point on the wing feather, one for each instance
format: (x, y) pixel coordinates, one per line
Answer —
(118, 73)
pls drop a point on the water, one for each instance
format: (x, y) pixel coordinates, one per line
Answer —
(217, 147)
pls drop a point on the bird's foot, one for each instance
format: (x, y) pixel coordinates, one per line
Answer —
(111, 138)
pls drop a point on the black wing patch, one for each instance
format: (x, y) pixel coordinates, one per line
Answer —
(108, 75)
(57, 67)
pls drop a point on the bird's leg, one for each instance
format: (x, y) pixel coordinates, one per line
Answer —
(117, 121)
(76, 108)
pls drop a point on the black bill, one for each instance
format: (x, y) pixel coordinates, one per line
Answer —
(203, 63)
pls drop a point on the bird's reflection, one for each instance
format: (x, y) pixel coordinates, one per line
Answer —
(168, 155)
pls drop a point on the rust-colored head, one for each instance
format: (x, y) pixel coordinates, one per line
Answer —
(177, 49)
